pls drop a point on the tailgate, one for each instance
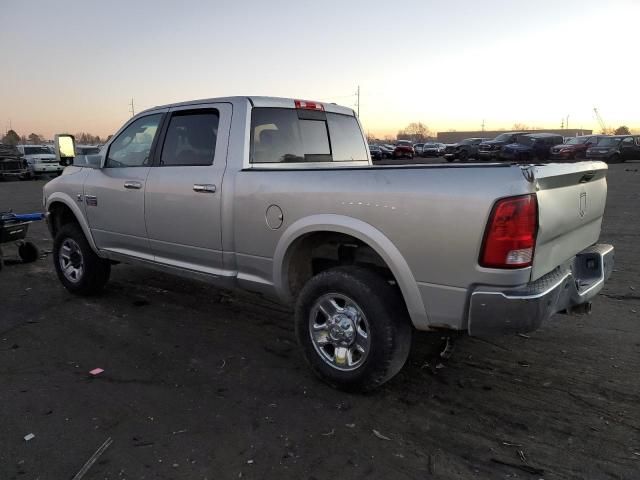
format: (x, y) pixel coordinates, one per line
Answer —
(571, 201)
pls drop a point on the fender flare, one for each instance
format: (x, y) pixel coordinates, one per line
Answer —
(364, 232)
(60, 197)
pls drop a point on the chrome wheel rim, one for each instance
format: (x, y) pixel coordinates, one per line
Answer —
(71, 260)
(339, 331)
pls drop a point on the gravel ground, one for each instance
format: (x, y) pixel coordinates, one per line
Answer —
(198, 383)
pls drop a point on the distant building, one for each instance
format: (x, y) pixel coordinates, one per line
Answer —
(453, 137)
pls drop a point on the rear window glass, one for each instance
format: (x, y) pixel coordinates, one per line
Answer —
(281, 135)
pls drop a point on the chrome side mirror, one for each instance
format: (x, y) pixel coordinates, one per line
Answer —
(65, 149)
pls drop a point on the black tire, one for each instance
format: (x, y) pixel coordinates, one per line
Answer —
(463, 155)
(615, 158)
(96, 270)
(389, 328)
(28, 252)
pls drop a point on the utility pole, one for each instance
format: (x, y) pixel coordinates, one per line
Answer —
(358, 104)
(131, 109)
(483, 124)
(562, 124)
(567, 122)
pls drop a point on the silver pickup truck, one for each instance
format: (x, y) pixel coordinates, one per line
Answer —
(279, 196)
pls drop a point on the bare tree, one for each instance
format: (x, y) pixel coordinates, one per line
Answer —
(622, 130)
(415, 131)
(11, 138)
(521, 126)
(35, 139)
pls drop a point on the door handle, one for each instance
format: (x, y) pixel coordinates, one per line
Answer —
(204, 188)
(132, 185)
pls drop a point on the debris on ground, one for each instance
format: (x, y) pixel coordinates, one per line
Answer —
(522, 456)
(328, 434)
(28, 437)
(524, 468)
(96, 371)
(380, 436)
(92, 459)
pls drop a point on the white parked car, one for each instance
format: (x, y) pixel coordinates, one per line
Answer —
(40, 159)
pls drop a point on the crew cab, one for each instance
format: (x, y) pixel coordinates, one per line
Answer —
(41, 159)
(280, 197)
(490, 149)
(575, 147)
(616, 149)
(464, 150)
(530, 147)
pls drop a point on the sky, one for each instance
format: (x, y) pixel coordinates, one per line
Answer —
(75, 65)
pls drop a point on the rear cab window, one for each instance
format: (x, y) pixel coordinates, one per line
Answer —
(285, 135)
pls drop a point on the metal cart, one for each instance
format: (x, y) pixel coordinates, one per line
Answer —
(13, 229)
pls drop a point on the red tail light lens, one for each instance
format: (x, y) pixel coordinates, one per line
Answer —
(510, 238)
(305, 105)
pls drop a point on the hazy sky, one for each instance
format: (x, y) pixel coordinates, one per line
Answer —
(74, 65)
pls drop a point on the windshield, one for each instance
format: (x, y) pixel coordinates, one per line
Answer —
(609, 141)
(37, 151)
(576, 141)
(504, 137)
(430, 145)
(525, 140)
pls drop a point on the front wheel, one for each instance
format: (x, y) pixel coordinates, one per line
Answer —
(79, 269)
(353, 328)
(615, 158)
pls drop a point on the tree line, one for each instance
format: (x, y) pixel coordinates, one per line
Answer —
(12, 138)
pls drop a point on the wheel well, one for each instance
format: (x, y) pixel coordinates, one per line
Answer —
(318, 251)
(60, 215)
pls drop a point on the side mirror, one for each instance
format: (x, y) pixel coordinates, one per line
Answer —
(65, 149)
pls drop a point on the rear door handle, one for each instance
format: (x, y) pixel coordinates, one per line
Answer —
(132, 185)
(204, 188)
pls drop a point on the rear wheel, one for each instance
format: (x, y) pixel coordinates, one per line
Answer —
(28, 252)
(353, 328)
(463, 155)
(615, 158)
(79, 269)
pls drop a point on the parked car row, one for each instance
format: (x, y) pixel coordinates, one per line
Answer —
(406, 149)
(537, 147)
(520, 147)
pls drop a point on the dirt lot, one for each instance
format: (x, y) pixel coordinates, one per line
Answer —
(200, 384)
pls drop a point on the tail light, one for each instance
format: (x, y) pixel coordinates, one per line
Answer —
(306, 105)
(510, 237)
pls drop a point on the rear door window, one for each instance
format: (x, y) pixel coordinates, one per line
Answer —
(285, 135)
(191, 138)
(347, 142)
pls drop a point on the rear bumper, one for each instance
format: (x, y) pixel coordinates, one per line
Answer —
(496, 312)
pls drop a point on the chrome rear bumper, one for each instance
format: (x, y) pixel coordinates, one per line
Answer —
(496, 312)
